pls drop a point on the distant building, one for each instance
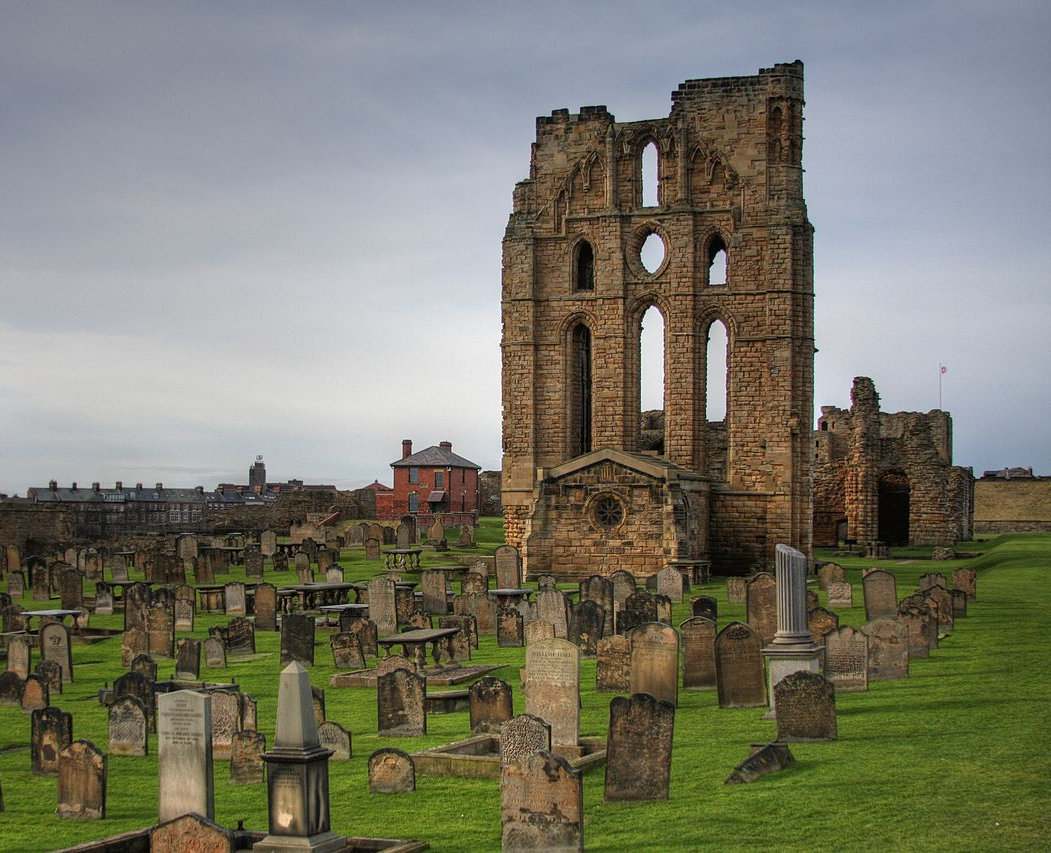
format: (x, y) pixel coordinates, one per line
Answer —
(1012, 500)
(431, 482)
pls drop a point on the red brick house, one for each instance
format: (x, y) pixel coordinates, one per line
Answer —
(434, 480)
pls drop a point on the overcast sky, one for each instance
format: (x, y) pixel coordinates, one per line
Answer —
(241, 228)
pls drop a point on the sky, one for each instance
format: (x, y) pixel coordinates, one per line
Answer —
(241, 228)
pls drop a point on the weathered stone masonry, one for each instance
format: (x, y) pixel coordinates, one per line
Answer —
(575, 291)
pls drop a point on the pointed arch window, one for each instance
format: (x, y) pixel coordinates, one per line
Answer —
(649, 171)
(718, 262)
(583, 266)
(580, 391)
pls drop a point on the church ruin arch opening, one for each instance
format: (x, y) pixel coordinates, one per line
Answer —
(893, 524)
(652, 390)
(649, 166)
(580, 391)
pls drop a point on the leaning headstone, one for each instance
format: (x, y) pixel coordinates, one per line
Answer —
(188, 660)
(246, 758)
(335, 738)
(847, 659)
(19, 655)
(881, 594)
(638, 748)
(214, 653)
(365, 629)
(51, 732)
(400, 703)
(12, 686)
(297, 638)
(736, 590)
(240, 636)
(764, 760)
(36, 694)
(761, 604)
(840, 595)
(541, 804)
(655, 661)
(508, 567)
(943, 598)
(888, 649)
(227, 718)
(965, 579)
(669, 583)
(553, 688)
(382, 607)
(740, 675)
(587, 624)
(434, 587)
(510, 631)
(805, 705)
(346, 651)
(265, 607)
(698, 653)
(489, 701)
(81, 782)
(391, 771)
(128, 732)
(184, 755)
(613, 664)
(55, 645)
(600, 590)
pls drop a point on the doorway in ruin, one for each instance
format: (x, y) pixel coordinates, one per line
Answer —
(894, 508)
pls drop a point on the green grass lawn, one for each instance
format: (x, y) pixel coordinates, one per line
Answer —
(954, 758)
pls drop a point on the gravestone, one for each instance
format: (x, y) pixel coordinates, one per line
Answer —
(184, 755)
(436, 533)
(391, 771)
(202, 570)
(16, 584)
(761, 604)
(522, 736)
(297, 638)
(538, 630)
(183, 613)
(134, 642)
(541, 805)
(655, 661)
(639, 607)
(623, 585)
(240, 637)
(14, 619)
(613, 664)
(847, 659)
(819, 622)
(214, 653)
(142, 688)
(265, 607)
(600, 590)
(268, 543)
(335, 738)
(474, 583)
(931, 579)
(482, 608)
(19, 655)
(510, 630)
(55, 645)
(764, 760)
(880, 592)
(40, 581)
(552, 688)
(382, 605)
(129, 733)
(805, 706)
(587, 623)
(965, 579)
(71, 589)
(346, 651)
(227, 718)
(888, 649)
(920, 625)
(639, 748)
(698, 653)
(740, 676)
(234, 599)
(119, 567)
(435, 589)
(51, 732)
(246, 758)
(669, 583)
(81, 782)
(490, 705)
(736, 590)
(403, 536)
(546, 581)
(466, 537)
(103, 600)
(36, 694)
(959, 603)
(280, 560)
(508, 565)
(326, 560)
(372, 549)
(93, 566)
(191, 833)
(188, 660)
(663, 605)
(840, 595)
(304, 573)
(830, 573)
(705, 607)
(12, 685)
(943, 598)
(160, 629)
(389, 664)
(367, 635)
(400, 703)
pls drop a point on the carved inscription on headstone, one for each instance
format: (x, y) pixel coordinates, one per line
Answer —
(553, 688)
(639, 748)
(805, 704)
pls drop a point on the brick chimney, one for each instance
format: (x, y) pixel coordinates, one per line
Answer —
(53, 485)
(96, 487)
(406, 447)
(74, 486)
(160, 487)
(138, 487)
(447, 446)
(119, 486)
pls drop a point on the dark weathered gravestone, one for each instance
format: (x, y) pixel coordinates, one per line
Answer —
(71, 589)
(160, 629)
(706, 607)
(761, 604)
(335, 738)
(740, 675)
(301, 563)
(670, 583)
(253, 563)
(391, 771)
(346, 651)
(764, 760)
(188, 660)
(297, 638)
(510, 630)
(624, 584)
(508, 564)
(613, 664)
(382, 605)
(920, 625)
(418, 619)
(888, 649)
(240, 636)
(400, 703)
(52, 731)
(943, 598)
(280, 561)
(541, 805)
(847, 659)
(805, 705)
(372, 548)
(40, 581)
(128, 731)
(819, 622)
(142, 688)
(959, 603)
(55, 645)
(490, 705)
(600, 590)
(365, 630)
(19, 655)
(698, 653)
(930, 579)
(36, 694)
(736, 590)
(184, 755)
(655, 661)
(475, 582)
(521, 736)
(81, 782)
(246, 758)
(134, 642)
(830, 573)
(16, 584)
(587, 625)
(840, 595)
(481, 607)
(214, 653)
(13, 618)
(965, 579)
(552, 688)
(880, 592)
(638, 748)
(51, 672)
(639, 607)
(434, 589)
(663, 604)
(265, 607)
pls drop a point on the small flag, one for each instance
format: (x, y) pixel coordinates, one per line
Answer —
(944, 368)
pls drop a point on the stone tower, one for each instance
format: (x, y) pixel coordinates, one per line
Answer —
(580, 495)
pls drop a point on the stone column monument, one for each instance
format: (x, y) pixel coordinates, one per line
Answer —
(792, 648)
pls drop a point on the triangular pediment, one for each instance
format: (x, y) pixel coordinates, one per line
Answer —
(650, 466)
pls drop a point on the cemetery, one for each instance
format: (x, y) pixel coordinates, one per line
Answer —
(120, 722)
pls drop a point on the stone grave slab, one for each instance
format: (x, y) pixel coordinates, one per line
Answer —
(698, 653)
(655, 661)
(805, 706)
(639, 748)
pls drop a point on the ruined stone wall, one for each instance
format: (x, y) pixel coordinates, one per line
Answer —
(739, 540)
(489, 493)
(729, 175)
(1012, 506)
(32, 527)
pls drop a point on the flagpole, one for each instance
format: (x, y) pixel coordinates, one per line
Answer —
(941, 372)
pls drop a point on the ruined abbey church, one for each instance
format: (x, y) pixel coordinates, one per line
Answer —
(582, 494)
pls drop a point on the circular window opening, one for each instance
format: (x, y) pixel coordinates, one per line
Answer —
(609, 512)
(652, 253)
